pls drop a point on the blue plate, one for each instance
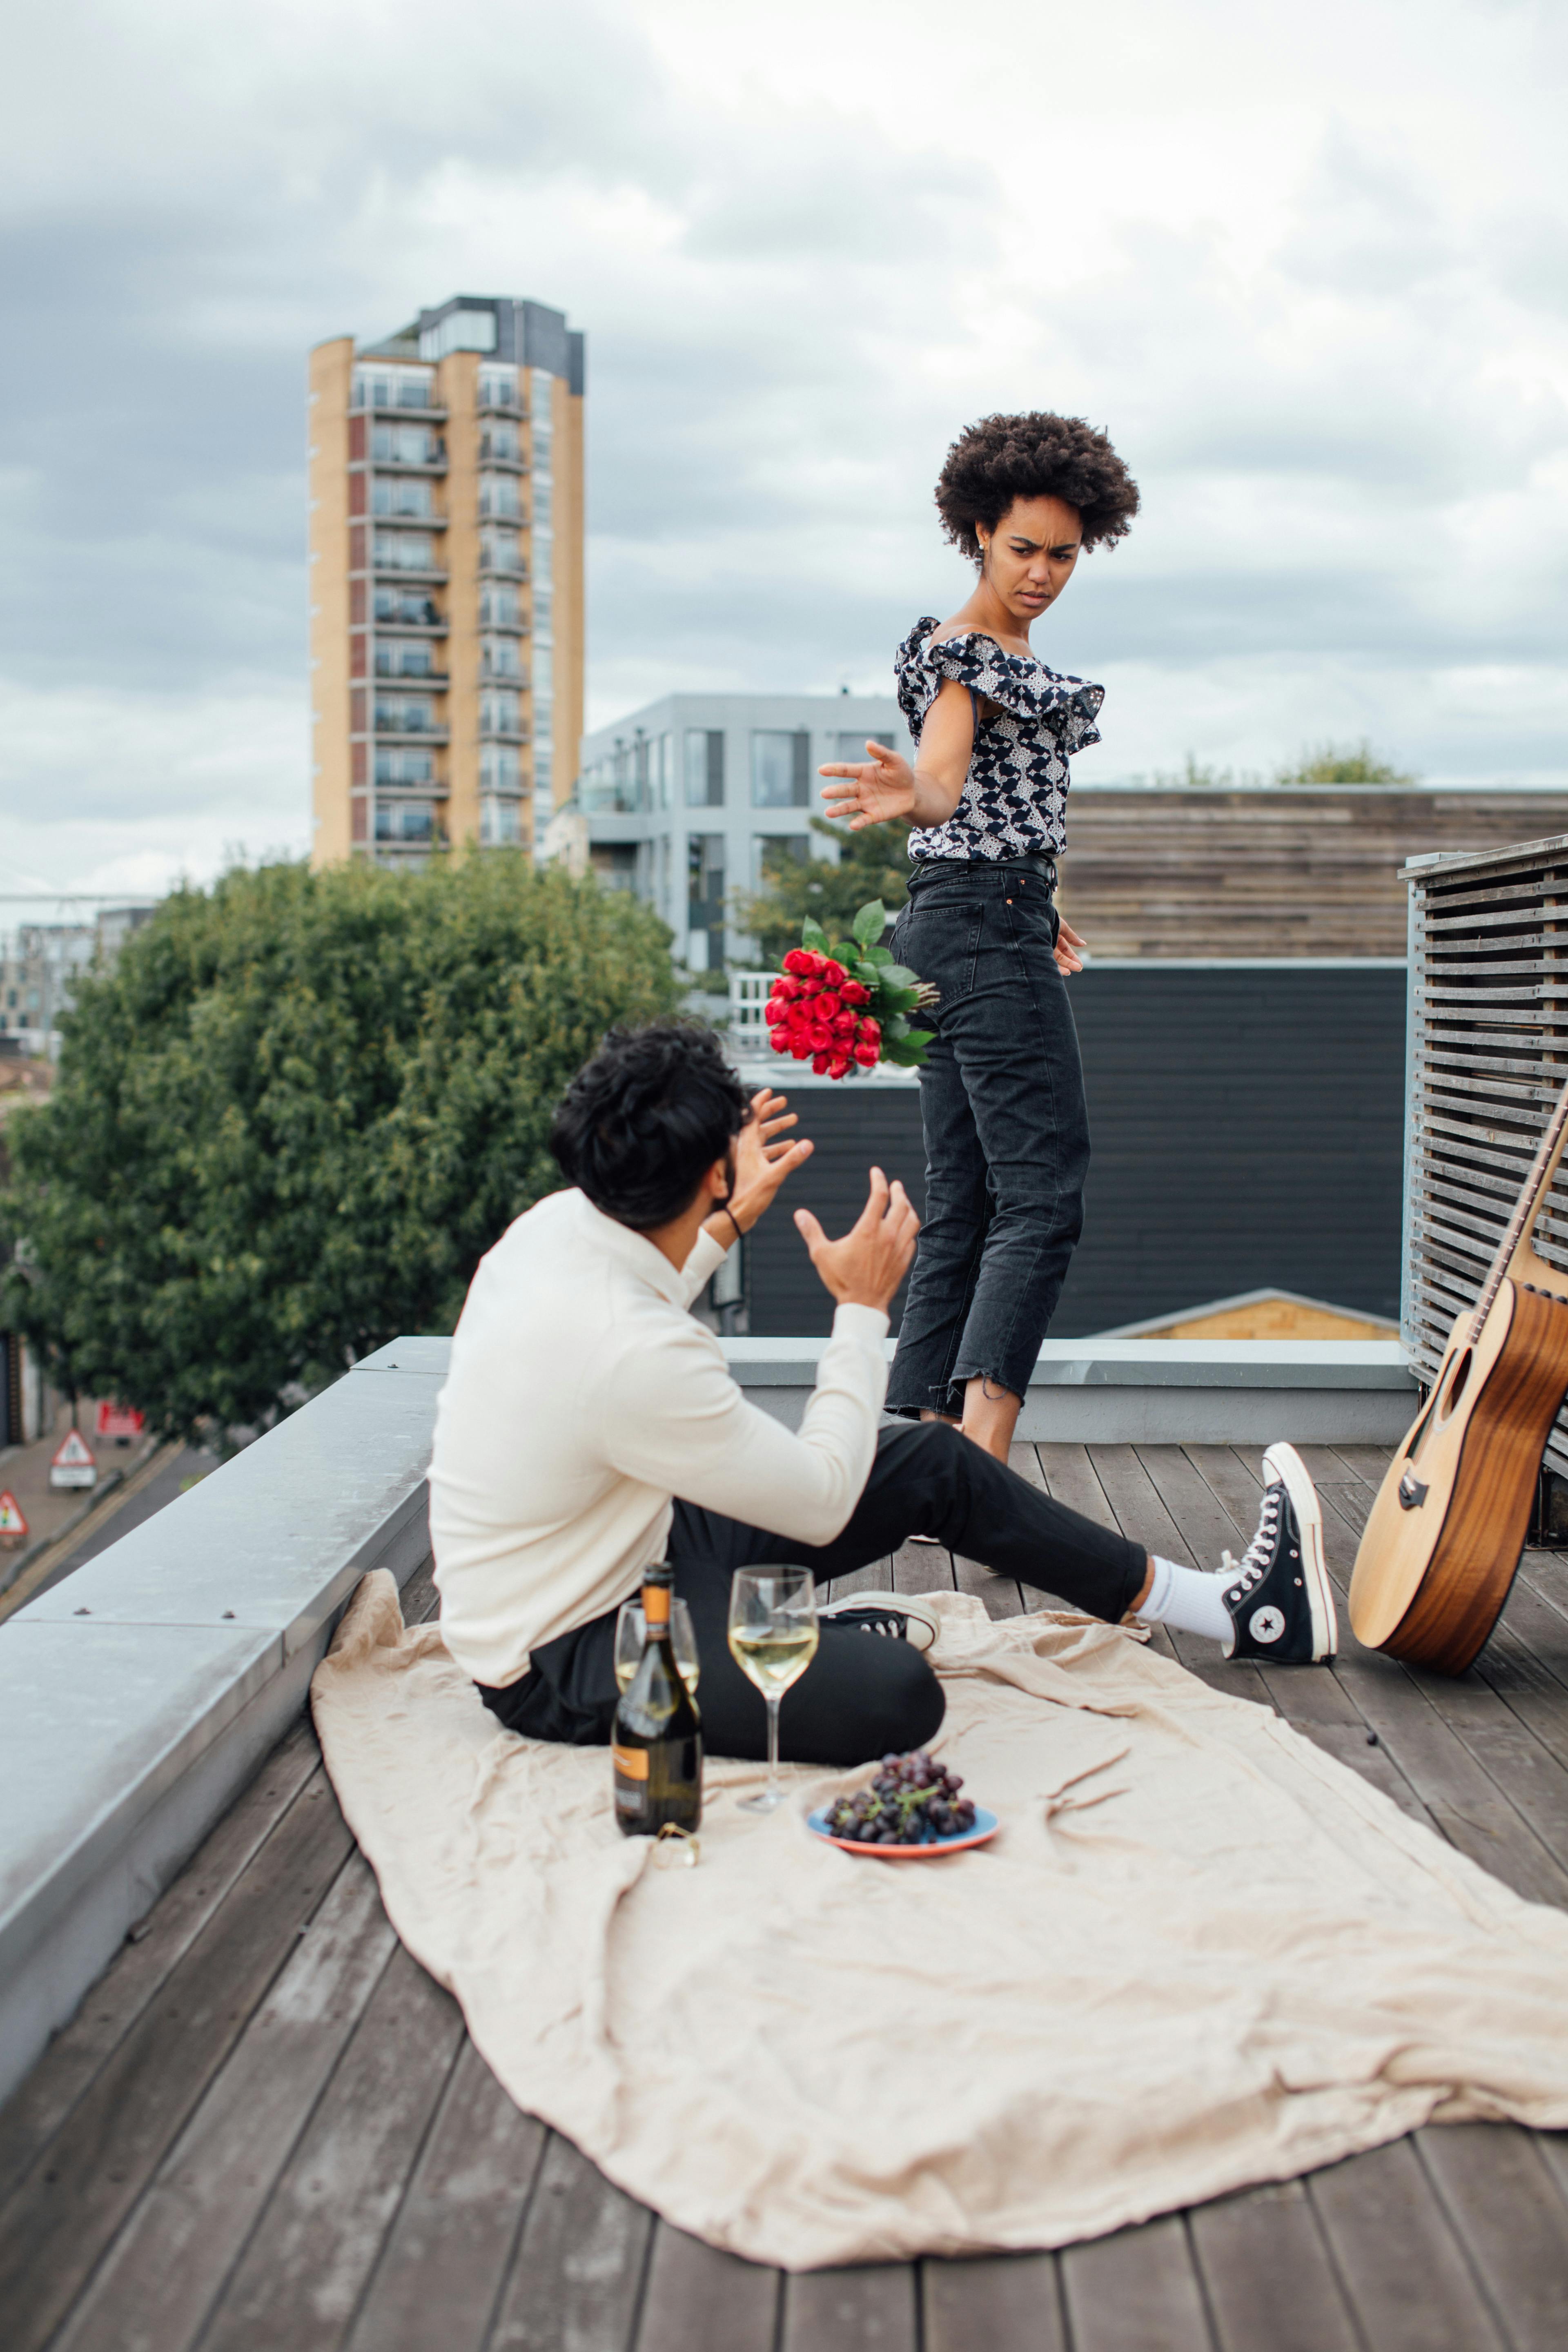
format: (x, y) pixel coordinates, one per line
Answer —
(986, 1826)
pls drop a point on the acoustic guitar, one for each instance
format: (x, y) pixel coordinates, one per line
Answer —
(1443, 1543)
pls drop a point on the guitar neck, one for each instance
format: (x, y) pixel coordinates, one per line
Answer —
(1526, 1210)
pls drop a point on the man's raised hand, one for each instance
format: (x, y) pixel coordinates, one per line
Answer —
(867, 1266)
(762, 1163)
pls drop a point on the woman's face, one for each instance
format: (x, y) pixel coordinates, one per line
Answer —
(1029, 556)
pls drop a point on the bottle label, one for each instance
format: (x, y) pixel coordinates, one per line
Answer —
(631, 1763)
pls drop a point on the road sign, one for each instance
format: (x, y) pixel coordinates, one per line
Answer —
(73, 1464)
(13, 1519)
(120, 1421)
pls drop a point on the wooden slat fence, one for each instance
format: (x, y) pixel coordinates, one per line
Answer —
(1487, 1047)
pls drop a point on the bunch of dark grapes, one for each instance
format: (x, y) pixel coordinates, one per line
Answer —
(914, 1801)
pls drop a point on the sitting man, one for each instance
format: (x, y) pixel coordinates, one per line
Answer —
(589, 1425)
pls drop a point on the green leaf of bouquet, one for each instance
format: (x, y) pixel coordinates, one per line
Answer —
(901, 975)
(879, 955)
(812, 936)
(894, 1025)
(871, 923)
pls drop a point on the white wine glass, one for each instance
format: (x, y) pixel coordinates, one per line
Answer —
(773, 1637)
(631, 1633)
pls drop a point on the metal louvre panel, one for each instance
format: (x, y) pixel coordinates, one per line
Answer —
(1488, 1057)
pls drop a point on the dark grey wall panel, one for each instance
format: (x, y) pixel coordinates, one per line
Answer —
(1247, 1128)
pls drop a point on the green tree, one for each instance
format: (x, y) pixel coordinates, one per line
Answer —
(292, 1116)
(872, 864)
(1343, 763)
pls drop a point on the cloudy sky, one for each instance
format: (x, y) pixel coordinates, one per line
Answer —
(1310, 268)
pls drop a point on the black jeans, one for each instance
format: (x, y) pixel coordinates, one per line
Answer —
(862, 1695)
(1006, 1133)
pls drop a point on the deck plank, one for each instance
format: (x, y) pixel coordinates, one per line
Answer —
(923, 1567)
(577, 2272)
(1267, 2274)
(698, 2299)
(168, 2266)
(142, 1965)
(1394, 2248)
(1001, 1596)
(1137, 2290)
(60, 2218)
(995, 2303)
(448, 2252)
(1506, 2208)
(871, 2306)
(311, 2253)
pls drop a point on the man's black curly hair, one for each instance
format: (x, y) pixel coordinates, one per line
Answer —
(1034, 456)
(641, 1123)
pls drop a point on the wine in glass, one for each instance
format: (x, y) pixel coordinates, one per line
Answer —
(773, 1637)
(631, 1633)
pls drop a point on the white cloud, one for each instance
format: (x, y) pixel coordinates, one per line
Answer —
(1307, 269)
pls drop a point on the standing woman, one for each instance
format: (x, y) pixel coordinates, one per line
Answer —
(1006, 1133)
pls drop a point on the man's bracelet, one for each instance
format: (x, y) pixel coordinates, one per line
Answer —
(726, 1211)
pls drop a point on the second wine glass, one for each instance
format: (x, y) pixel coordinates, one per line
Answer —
(773, 1637)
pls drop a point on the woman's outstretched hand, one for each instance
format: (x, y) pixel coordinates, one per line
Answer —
(1068, 942)
(883, 788)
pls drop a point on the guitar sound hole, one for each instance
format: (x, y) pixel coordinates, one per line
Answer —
(1456, 1385)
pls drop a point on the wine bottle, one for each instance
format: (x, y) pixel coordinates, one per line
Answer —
(658, 1737)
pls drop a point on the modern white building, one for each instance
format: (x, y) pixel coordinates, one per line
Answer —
(682, 801)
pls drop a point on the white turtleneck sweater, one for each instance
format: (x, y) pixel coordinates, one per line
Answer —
(582, 1397)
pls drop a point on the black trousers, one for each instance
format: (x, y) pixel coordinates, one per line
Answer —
(1006, 1126)
(862, 1695)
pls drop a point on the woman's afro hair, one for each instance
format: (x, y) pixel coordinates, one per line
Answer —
(1034, 456)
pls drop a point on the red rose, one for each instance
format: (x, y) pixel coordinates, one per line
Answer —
(853, 993)
(819, 1064)
(798, 1014)
(779, 1040)
(833, 973)
(838, 1066)
(800, 960)
(799, 1048)
(775, 1011)
(871, 1031)
(786, 987)
(866, 1055)
(821, 1035)
(827, 1004)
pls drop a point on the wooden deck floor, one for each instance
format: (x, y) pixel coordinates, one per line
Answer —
(267, 2131)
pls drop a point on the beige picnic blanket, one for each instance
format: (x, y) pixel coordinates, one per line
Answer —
(1200, 1953)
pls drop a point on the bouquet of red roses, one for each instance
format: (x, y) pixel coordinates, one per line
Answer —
(845, 1007)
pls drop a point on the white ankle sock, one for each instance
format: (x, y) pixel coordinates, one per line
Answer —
(1187, 1598)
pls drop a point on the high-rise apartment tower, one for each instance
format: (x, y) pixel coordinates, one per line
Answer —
(446, 469)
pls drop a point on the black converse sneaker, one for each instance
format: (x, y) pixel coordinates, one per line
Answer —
(892, 1614)
(1280, 1602)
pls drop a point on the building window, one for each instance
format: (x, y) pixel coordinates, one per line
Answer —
(705, 880)
(500, 442)
(399, 658)
(392, 387)
(772, 849)
(499, 713)
(501, 823)
(497, 387)
(781, 768)
(500, 608)
(500, 657)
(391, 495)
(460, 330)
(850, 750)
(704, 767)
(500, 550)
(403, 551)
(498, 496)
(406, 714)
(616, 865)
(500, 771)
(410, 821)
(408, 608)
(405, 445)
(404, 767)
